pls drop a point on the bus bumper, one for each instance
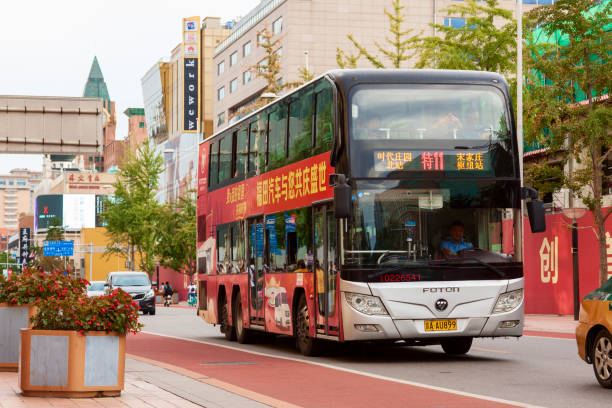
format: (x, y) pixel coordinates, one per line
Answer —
(358, 326)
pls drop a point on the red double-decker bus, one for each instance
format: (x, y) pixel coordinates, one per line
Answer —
(412, 156)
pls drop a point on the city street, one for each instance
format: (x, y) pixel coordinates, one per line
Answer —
(534, 370)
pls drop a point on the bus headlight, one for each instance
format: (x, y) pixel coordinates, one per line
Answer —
(508, 301)
(149, 294)
(371, 305)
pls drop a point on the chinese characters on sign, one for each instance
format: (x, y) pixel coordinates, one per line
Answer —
(236, 195)
(299, 183)
(432, 161)
(549, 261)
(391, 160)
(470, 161)
(24, 246)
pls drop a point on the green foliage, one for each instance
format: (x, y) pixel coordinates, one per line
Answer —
(131, 216)
(55, 230)
(176, 235)
(399, 47)
(116, 312)
(561, 75)
(31, 286)
(545, 178)
(479, 45)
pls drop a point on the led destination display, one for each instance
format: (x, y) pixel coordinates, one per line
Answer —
(476, 161)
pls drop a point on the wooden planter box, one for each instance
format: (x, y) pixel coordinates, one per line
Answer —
(64, 363)
(12, 319)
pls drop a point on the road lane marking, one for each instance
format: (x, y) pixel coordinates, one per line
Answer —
(363, 373)
(490, 350)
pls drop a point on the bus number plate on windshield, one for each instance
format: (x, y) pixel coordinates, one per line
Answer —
(440, 325)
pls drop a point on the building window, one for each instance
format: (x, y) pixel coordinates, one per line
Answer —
(221, 119)
(21, 183)
(246, 77)
(233, 85)
(280, 52)
(234, 58)
(455, 22)
(3, 182)
(97, 159)
(260, 39)
(11, 182)
(220, 67)
(246, 49)
(277, 26)
(221, 93)
(141, 125)
(90, 158)
(262, 65)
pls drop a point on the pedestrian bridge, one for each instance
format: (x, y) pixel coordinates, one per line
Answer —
(41, 124)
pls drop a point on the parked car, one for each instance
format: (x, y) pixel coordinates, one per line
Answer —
(95, 288)
(137, 284)
(593, 332)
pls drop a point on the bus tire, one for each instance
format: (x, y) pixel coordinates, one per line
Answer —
(456, 346)
(307, 345)
(243, 335)
(226, 329)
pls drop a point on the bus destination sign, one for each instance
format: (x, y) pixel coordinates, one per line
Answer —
(430, 161)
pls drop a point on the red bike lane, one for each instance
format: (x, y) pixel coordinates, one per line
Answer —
(295, 382)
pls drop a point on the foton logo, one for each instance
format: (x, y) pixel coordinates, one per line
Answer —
(441, 290)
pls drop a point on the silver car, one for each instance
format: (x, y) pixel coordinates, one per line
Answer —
(137, 284)
(95, 288)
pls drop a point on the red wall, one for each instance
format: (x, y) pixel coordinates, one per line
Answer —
(549, 279)
(178, 280)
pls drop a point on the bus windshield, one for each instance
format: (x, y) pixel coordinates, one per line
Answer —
(428, 112)
(423, 228)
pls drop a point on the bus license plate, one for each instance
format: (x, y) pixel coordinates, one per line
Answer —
(440, 325)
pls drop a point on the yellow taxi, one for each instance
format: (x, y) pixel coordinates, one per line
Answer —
(593, 332)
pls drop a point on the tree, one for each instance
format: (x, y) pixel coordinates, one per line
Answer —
(176, 235)
(131, 215)
(399, 47)
(481, 44)
(566, 104)
(55, 232)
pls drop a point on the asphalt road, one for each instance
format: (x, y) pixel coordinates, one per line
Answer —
(533, 370)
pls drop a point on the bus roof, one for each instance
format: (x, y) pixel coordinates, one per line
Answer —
(348, 77)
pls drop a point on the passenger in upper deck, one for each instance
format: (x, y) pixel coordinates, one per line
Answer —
(455, 241)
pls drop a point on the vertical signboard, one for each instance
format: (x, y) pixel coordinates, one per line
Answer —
(24, 245)
(191, 73)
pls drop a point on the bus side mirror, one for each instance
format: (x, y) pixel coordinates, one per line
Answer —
(342, 195)
(535, 210)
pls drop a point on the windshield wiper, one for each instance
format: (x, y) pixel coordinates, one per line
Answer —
(476, 260)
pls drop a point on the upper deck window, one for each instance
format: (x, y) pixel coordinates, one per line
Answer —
(425, 112)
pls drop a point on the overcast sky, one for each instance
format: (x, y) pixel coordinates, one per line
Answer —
(46, 47)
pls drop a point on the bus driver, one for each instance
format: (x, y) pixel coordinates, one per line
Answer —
(455, 241)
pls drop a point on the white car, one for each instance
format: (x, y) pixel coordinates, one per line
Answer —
(95, 288)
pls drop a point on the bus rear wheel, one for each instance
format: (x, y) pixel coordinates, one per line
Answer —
(456, 346)
(243, 335)
(307, 345)
(226, 329)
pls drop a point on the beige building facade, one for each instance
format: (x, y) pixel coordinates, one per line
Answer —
(309, 32)
(16, 196)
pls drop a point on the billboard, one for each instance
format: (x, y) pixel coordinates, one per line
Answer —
(191, 73)
(75, 211)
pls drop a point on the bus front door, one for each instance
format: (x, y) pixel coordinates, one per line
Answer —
(325, 269)
(255, 270)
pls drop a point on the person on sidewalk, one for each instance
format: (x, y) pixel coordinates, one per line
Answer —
(192, 295)
(167, 294)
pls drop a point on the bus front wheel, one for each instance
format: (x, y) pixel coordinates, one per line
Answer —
(307, 345)
(456, 346)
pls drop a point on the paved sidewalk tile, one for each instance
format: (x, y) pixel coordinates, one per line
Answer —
(137, 394)
(551, 323)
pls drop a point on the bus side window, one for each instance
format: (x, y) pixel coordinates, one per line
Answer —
(277, 139)
(257, 145)
(223, 249)
(298, 226)
(225, 158)
(300, 126)
(240, 151)
(238, 264)
(275, 237)
(213, 164)
(324, 120)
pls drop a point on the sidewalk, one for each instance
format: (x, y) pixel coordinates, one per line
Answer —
(146, 386)
(550, 323)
